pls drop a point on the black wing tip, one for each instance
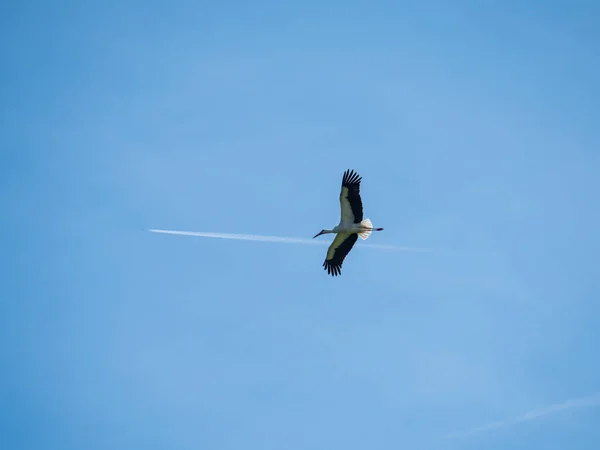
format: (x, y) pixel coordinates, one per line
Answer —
(351, 178)
(333, 270)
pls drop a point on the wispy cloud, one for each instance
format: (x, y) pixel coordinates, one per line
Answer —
(279, 239)
(581, 402)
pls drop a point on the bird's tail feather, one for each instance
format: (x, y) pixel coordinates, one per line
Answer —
(366, 233)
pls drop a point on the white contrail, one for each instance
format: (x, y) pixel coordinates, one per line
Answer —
(285, 240)
(591, 400)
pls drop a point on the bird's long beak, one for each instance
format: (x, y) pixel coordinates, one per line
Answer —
(318, 234)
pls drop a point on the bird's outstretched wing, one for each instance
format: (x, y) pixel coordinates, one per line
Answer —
(339, 248)
(350, 201)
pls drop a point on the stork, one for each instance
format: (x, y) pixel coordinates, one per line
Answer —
(351, 226)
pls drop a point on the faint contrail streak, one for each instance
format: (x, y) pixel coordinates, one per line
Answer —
(591, 400)
(284, 240)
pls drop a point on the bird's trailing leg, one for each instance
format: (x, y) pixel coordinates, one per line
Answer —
(365, 228)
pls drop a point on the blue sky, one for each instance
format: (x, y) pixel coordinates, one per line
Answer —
(474, 126)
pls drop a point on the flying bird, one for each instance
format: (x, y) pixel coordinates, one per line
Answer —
(351, 226)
